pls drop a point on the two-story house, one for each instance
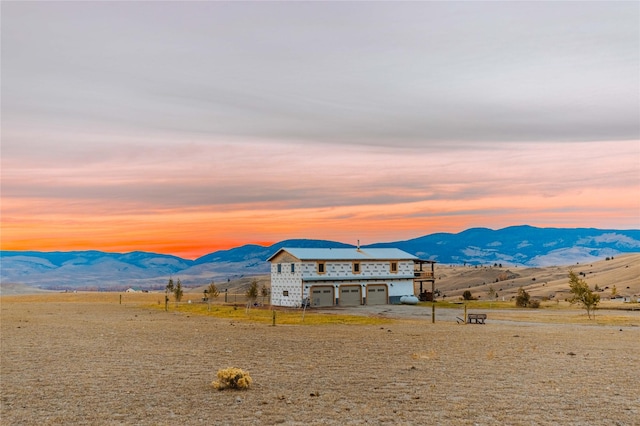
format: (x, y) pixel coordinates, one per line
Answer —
(341, 276)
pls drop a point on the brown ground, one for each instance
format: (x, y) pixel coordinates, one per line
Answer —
(98, 362)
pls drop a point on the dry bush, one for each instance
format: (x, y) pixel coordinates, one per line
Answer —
(232, 378)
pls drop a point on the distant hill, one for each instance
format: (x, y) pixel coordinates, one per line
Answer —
(522, 245)
(514, 246)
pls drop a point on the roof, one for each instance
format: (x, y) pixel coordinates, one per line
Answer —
(346, 254)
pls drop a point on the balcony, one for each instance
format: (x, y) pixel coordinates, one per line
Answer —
(423, 275)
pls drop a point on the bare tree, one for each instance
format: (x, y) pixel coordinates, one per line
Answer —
(212, 292)
(264, 290)
(491, 294)
(252, 292)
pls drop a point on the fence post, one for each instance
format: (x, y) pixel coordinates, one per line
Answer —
(465, 313)
(274, 318)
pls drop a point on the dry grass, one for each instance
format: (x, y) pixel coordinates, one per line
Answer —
(622, 271)
(264, 315)
(86, 359)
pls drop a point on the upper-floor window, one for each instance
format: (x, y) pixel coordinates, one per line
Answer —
(321, 267)
(279, 267)
(285, 292)
(394, 267)
(356, 267)
(293, 268)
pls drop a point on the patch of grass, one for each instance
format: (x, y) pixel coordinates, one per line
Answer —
(265, 316)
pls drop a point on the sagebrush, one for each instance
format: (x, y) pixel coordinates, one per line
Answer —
(232, 378)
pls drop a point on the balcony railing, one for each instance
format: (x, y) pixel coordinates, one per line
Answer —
(423, 275)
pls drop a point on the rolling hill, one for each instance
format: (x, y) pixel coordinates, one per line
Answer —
(519, 246)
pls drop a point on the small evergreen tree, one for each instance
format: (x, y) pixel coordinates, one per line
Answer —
(252, 292)
(177, 291)
(467, 295)
(582, 294)
(168, 289)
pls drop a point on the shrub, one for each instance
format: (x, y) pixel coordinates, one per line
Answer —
(523, 298)
(534, 303)
(467, 295)
(232, 378)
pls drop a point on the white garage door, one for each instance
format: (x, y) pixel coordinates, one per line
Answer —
(350, 295)
(377, 294)
(322, 296)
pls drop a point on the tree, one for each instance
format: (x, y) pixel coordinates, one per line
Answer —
(168, 289)
(252, 292)
(211, 292)
(177, 291)
(467, 295)
(614, 291)
(491, 293)
(582, 294)
(523, 298)
(264, 291)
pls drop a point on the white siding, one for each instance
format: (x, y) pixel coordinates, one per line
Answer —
(400, 288)
(287, 281)
(338, 272)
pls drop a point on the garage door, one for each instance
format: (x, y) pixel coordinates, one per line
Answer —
(377, 294)
(350, 295)
(322, 296)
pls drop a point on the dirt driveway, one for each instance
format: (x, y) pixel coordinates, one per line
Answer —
(399, 312)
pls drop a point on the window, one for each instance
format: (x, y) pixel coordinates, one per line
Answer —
(394, 266)
(279, 267)
(356, 267)
(285, 292)
(293, 268)
(321, 268)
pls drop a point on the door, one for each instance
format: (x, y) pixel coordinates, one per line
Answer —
(377, 294)
(322, 296)
(350, 295)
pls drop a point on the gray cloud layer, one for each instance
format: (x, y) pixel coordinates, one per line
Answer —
(390, 74)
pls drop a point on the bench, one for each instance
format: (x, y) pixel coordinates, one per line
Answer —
(476, 318)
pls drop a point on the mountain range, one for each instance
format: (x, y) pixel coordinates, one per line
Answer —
(518, 245)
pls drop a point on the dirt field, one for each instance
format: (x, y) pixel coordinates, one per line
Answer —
(97, 362)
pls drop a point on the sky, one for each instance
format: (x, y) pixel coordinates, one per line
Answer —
(189, 127)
